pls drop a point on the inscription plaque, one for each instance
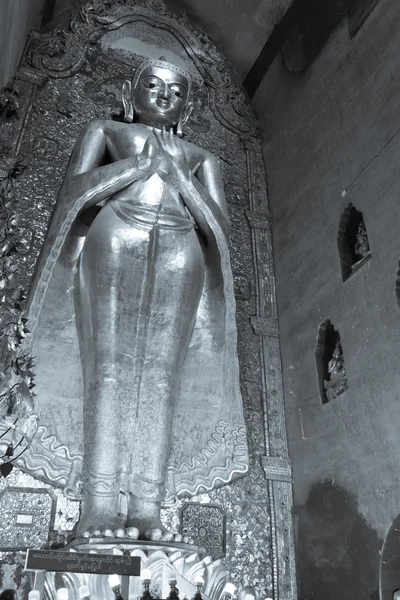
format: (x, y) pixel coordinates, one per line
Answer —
(24, 519)
(80, 562)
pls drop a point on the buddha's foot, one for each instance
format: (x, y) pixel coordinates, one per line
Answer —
(150, 529)
(158, 535)
(155, 534)
(145, 515)
(90, 525)
(120, 532)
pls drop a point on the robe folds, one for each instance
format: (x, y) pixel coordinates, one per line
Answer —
(208, 437)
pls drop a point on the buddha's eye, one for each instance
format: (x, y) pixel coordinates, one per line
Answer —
(152, 83)
(177, 91)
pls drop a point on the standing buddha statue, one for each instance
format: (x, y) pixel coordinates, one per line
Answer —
(138, 251)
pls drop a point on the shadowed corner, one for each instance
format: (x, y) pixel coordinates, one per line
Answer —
(338, 553)
(390, 563)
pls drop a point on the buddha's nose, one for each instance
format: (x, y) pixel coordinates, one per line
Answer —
(164, 91)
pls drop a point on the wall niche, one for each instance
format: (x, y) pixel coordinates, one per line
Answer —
(332, 378)
(353, 245)
(397, 284)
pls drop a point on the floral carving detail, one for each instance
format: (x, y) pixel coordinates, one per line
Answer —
(241, 106)
(37, 504)
(205, 523)
(62, 53)
(57, 53)
(9, 102)
(16, 377)
(9, 112)
(156, 5)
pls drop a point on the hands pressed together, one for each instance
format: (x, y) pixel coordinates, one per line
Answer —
(166, 156)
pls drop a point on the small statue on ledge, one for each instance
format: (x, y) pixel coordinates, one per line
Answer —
(362, 246)
(337, 382)
(336, 364)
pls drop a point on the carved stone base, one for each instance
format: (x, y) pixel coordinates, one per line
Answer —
(182, 561)
(336, 385)
(108, 545)
(357, 265)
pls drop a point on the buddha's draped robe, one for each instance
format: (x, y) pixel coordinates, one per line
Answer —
(141, 309)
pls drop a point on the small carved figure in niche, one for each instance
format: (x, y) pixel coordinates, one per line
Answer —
(336, 363)
(362, 246)
(337, 382)
(353, 245)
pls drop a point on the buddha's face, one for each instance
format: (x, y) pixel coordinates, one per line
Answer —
(160, 97)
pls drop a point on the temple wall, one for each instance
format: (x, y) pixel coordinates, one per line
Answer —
(331, 138)
(16, 19)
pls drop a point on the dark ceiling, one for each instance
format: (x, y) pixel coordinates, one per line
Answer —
(239, 27)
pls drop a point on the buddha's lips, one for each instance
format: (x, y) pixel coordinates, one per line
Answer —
(162, 103)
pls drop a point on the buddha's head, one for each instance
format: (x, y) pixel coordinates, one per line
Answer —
(158, 96)
(337, 353)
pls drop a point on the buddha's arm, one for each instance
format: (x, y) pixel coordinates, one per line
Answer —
(87, 178)
(86, 183)
(206, 187)
(201, 187)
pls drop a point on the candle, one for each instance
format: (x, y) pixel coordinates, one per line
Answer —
(62, 594)
(83, 592)
(114, 581)
(145, 575)
(229, 589)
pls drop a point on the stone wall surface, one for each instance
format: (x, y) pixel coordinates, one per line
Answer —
(331, 138)
(16, 19)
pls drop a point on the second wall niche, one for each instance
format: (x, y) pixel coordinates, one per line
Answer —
(353, 245)
(332, 378)
(397, 285)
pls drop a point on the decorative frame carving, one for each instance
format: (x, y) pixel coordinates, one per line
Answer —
(37, 503)
(206, 523)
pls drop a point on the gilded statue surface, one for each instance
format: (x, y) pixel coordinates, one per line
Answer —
(138, 252)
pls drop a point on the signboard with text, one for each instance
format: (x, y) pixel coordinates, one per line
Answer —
(80, 562)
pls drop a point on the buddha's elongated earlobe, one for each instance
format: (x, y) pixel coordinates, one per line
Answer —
(186, 114)
(129, 111)
(179, 130)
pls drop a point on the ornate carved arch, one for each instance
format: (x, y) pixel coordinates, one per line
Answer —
(61, 54)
